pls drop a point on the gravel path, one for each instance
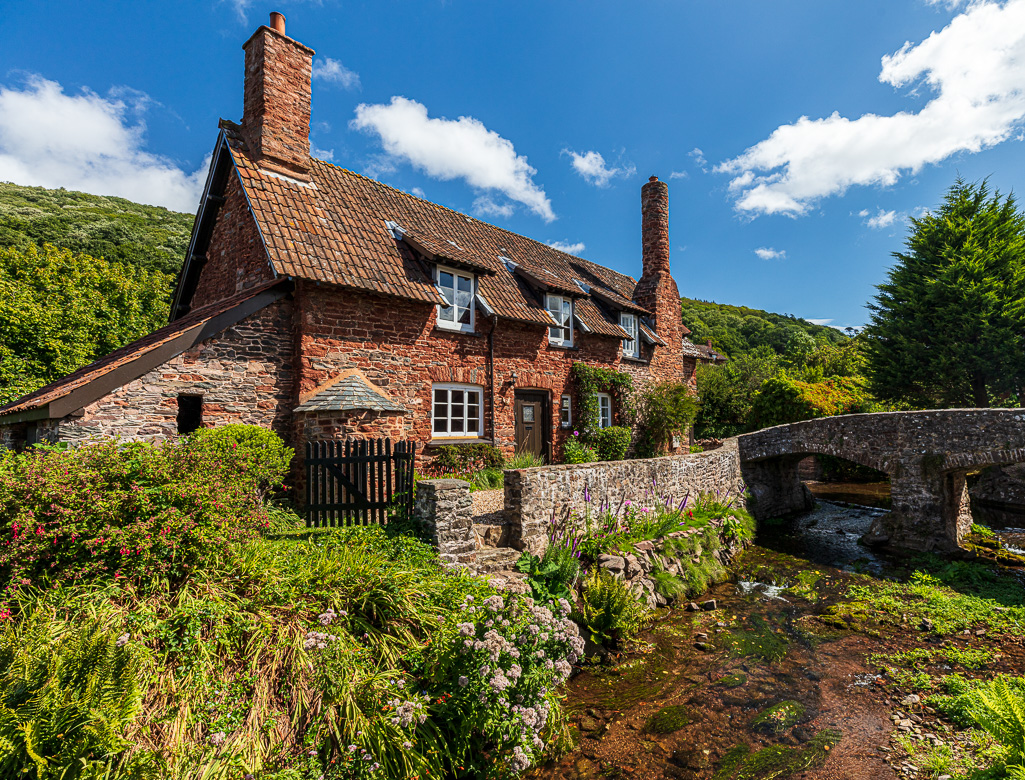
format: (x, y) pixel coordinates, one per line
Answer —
(487, 502)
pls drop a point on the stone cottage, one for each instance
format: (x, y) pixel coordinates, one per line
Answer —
(324, 304)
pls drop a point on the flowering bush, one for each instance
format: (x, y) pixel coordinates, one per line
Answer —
(134, 510)
(500, 664)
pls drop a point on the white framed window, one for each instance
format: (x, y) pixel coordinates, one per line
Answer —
(457, 411)
(458, 289)
(566, 411)
(561, 309)
(631, 346)
(604, 410)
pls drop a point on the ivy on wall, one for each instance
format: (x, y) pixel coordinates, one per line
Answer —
(590, 381)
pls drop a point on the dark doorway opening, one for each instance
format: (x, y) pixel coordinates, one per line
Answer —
(533, 424)
(190, 413)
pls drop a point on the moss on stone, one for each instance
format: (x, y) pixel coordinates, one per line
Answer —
(668, 719)
(777, 761)
(758, 641)
(732, 680)
(778, 718)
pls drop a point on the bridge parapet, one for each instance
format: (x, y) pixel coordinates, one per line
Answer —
(926, 454)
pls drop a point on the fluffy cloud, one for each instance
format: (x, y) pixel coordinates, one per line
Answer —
(678, 175)
(568, 248)
(975, 67)
(768, 253)
(592, 166)
(460, 148)
(821, 321)
(881, 219)
(90, 143)
(333, 72)
(488, 208)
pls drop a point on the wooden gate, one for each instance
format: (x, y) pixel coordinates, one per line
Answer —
(357, 482)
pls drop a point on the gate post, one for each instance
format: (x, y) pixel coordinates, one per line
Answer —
(445, 508)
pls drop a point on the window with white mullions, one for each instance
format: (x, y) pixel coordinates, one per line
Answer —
(561, 309)
(566, 411)
(458, 289)
(457, 411)
(631, 346)
(604, 410)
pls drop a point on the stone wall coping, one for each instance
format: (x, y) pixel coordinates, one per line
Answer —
(611, 463)
(447, 483)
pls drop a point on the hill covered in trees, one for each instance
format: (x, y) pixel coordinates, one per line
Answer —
(739, 330)
(114, 229)
(80, 276)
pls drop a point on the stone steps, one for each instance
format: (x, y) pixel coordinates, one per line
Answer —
(492, 559)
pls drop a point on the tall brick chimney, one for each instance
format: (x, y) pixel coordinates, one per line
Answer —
(656, 290)
(276, 110)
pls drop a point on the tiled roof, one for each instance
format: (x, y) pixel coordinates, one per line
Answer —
(193, 325)
(702, 352)
(347, 391)
(335, 230)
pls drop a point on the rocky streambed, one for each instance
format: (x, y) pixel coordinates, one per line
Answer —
(783, 676)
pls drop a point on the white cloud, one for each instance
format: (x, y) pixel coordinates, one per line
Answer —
(678, 175)
(489, 208)
(90, 143)
(333, 72)
(881, 220)
(825, 321)
(768, 253)
(327, 155)
(592, 166)
(568, 248)
(976, 69)
(460, 148)
(418, 192)
(698, 156)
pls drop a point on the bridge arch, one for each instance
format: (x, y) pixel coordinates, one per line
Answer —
(926, 455)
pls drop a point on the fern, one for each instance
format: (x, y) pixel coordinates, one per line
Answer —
(609, 609)
(66, 697)
(1000, 710)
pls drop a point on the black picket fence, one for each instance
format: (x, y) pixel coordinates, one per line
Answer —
(358, 481)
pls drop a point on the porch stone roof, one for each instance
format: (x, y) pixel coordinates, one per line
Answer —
(348, 391)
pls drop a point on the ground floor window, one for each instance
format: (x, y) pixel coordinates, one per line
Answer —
(604, 410)
(457, 410)
(190, 413)
(566, 411)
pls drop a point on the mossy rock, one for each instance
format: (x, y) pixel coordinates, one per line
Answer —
(758, 641)
(779, 718)
(732, 680)
(668, 719)
(777, 761)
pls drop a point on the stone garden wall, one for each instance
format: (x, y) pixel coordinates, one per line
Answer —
(533, 495)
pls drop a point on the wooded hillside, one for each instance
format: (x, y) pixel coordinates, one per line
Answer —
(115, 229)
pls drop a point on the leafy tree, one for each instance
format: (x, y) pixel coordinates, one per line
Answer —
(727, 392)
(948, 328)
(60, 311)
(783, 399)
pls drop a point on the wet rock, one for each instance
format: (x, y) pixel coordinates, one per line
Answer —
(692, 607)
(701, 637)
(589, 724)
(812, 675)
(914, 698)
(703, 647)
(709, 606)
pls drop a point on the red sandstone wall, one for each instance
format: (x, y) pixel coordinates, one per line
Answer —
(395, 344)
(244, 375)
(236, 258)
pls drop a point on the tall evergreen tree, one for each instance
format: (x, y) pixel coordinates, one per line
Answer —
(948, 328)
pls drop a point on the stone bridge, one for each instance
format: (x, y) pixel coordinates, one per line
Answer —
(926, 455)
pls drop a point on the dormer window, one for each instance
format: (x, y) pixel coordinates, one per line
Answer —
(458, 289)
(561, 308)
(632, 345)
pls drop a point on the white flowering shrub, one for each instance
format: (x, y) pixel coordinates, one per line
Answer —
(500, 663)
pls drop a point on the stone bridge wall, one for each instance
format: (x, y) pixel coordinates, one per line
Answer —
(925, 454)
(533, 495)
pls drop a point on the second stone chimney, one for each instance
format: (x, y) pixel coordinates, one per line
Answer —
(656, 290)
(276, 108)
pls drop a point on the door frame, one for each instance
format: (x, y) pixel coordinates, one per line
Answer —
(543, 397)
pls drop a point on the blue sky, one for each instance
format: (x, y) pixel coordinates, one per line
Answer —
(797, 136)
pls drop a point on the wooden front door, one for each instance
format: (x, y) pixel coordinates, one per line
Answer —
(531, 423)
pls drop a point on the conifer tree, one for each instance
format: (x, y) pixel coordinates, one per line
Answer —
(948, 328)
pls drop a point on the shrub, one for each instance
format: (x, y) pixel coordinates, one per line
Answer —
(782, 399)
(247, 452)
(575, 451)
(667, 410)
(134, 510)
(551, 575)
(611, 443)
(609, 609)
(465, 458)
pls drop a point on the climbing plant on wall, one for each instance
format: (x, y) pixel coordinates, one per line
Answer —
(590, 381)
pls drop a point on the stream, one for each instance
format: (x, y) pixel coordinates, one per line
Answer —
(758, 688)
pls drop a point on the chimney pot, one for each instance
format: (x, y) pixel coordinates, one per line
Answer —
(653, 178)
(277, 22)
